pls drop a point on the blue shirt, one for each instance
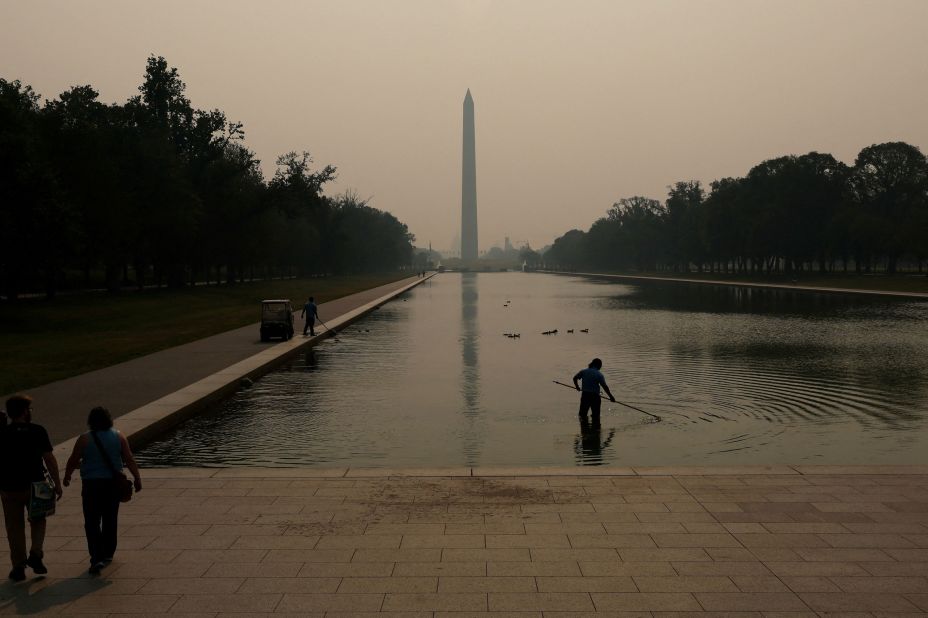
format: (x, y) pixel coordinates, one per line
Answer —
(590, 379)
(310, 310)
(92, 464)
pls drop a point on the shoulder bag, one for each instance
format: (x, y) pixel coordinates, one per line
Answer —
(42, 499)
(121, 484)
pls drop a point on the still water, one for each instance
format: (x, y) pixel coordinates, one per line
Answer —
(739, 376)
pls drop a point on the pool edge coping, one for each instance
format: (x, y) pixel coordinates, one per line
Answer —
(349, 473)
(922, 296)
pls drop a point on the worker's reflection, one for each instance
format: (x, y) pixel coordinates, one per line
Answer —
(589, 445)
(310, 362)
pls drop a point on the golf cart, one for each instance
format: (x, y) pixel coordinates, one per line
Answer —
(276, 319)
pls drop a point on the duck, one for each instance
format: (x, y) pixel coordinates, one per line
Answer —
(570, 330)
(584, 330)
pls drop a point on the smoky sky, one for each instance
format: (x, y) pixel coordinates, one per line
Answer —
(578, 104)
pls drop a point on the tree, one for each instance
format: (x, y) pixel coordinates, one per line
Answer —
(296, 194)
(88, 135)
(684, 200)
(640, 222)
(890, 182)
(719, 227)
(234, 230)
(162, 105)
(368, 239)
(569, 251)
(36, 235)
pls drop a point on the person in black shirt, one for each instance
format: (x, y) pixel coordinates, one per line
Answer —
(25, 454)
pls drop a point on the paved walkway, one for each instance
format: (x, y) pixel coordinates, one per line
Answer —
(62, 406)
(801, 541)
(750, 284)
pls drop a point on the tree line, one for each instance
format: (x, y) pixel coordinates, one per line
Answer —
(156, 192)
(787, 215)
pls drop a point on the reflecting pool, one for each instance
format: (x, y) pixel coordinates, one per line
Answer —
(739, 376)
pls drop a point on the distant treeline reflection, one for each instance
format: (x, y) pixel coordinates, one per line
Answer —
(789, 214)
(154, 191)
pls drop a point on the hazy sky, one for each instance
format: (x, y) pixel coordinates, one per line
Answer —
(578, 103)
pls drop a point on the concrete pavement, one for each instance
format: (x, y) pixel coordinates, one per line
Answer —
(762, 541)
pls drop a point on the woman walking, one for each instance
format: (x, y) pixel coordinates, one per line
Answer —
(101, 454)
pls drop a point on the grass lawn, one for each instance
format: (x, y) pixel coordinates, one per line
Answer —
(883, 283)
(44, 341)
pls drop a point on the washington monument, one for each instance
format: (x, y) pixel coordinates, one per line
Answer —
(469, 186)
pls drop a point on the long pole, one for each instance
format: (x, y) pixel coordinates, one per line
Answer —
(573, 388)
(334, 333)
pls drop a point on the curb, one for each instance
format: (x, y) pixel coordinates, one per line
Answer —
(748, 284)
(463, 472)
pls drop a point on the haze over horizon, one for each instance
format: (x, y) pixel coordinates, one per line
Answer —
(576, 106)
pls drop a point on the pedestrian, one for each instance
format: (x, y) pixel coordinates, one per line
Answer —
(25, 457)
(311, 312)
(591, 379)
(101, 454)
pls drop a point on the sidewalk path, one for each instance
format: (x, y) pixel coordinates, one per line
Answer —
(749, 284)
(62, 406)
(795, 541)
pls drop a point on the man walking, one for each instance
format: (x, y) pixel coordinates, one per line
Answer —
(591, 379)
(25, 454)
(311, 313)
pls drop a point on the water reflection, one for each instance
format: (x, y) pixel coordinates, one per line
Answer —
(310, 361)
(470, 372)
(470, 377)
(589, 445)
(721, 299)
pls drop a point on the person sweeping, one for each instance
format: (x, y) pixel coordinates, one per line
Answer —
(588, 381)
(310, 312)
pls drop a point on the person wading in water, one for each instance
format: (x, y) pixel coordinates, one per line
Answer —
(591, 379)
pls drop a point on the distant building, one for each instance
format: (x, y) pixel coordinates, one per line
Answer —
(469, 185)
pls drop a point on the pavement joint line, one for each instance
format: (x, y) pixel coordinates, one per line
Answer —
(146, 422)
(750, 284)
(550, 471)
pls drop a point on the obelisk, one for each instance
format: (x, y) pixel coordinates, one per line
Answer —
(469, 186)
